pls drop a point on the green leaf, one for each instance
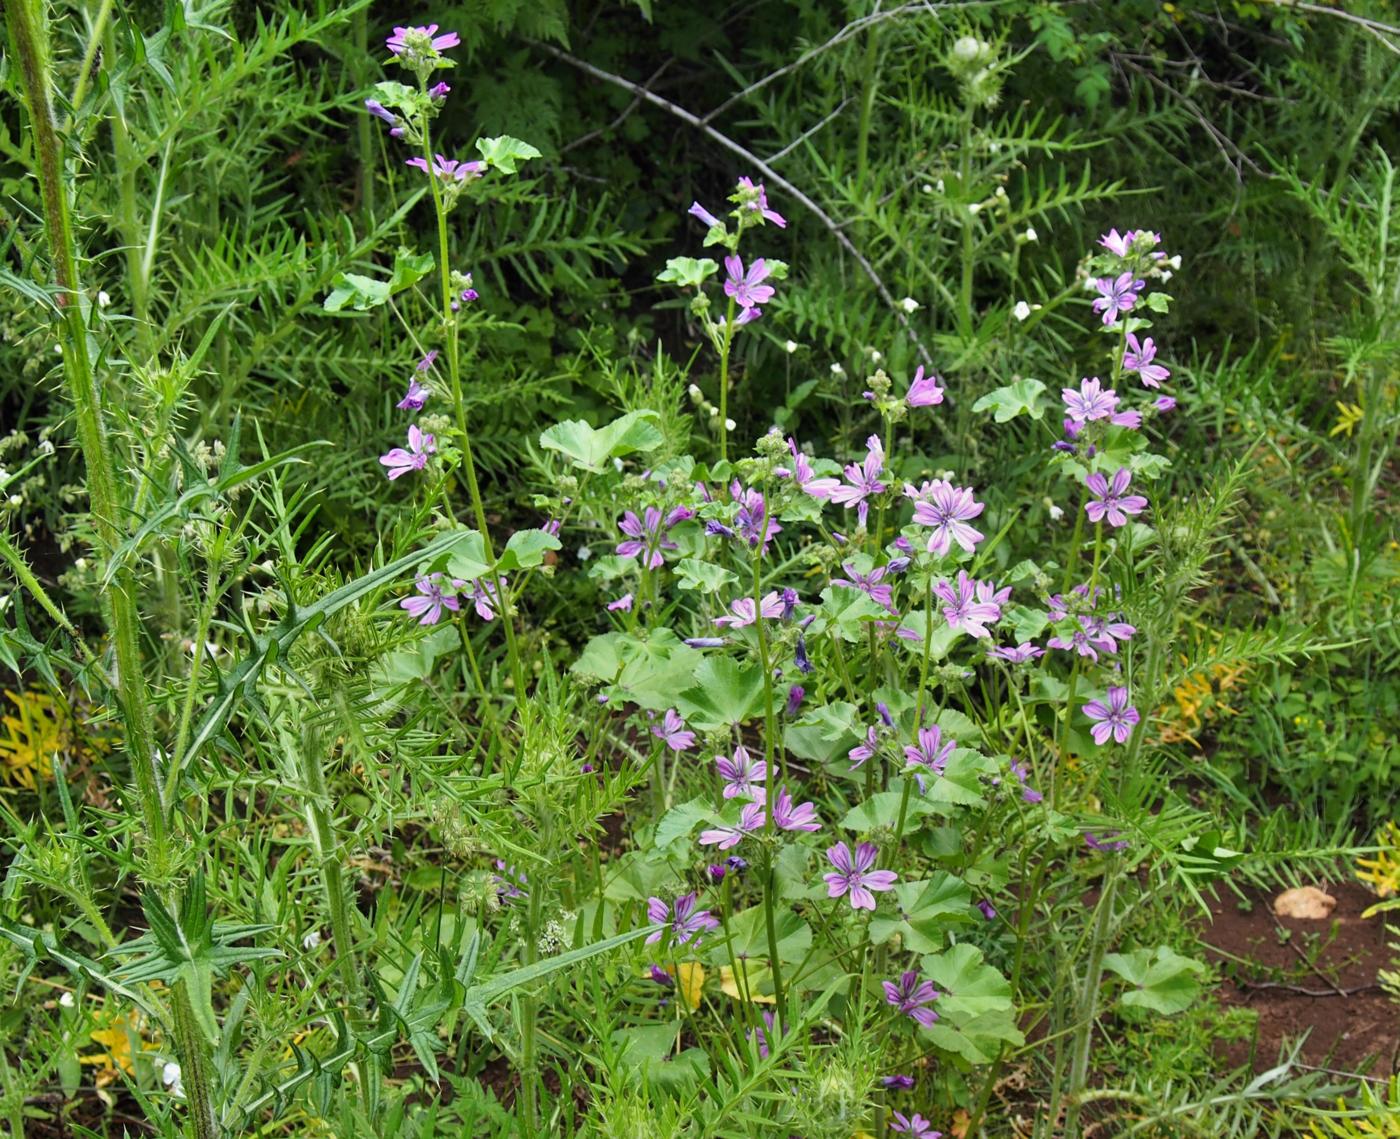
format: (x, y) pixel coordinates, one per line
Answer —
(1161, 979)
(588, 448)
(926, 909)
(967, 986)
(688, 272)
(504, 152)
(882, 810)
(707, 577)
(974, 1005)
(1024, 397)
(647, 670)
(409, 268)
(1026, 623)
(526, 549)
(939, 635)
(725, 692)
(979, 1040)
(749, 931)
(365, 293)
(677, 823)
(848, 612)
(960, 781)
(465, 559)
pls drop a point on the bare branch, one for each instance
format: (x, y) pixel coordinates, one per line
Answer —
(854, 28)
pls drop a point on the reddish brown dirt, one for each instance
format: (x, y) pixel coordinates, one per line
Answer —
(1313, 978)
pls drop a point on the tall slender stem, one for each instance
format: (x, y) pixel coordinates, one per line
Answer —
(25, 20)
(1089, 999)
(459, 407)
(724, 381)
(194, 1065)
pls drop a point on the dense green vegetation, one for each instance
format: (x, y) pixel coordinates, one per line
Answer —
(746, 572)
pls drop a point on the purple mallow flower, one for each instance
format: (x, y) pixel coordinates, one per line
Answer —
(947, 508)
(854, 876)
(1116, 295)
(1164, 403)
(932, 750)
(743, 775)
(399, 462)
(747, 288)
(744, 612)
(1109, 843)
(673, 732)
(915, 1126)
(1020, 654)
(760, 1035)
(431, 600)
(751, 818)
(865, 749)
(754, 524)
(1091, 401)
(862, 480)
(708, 219)
(399, 41)
(802, 817)
(1109, 501)
(989, 911)
(910, 995)
(1121, 244)
(796, 694)
(449, 170)
(661, 977)
(870, 584)
(647, 536)
(1114, 718)
(897, 1082)
(924, 390)
(485, 597)
(803, 475)
(416, 396)
(379, 111)
(1138, 358)
(1023, 777)
(968, 606)
(684, 920)
(622, 604)
(755, 199)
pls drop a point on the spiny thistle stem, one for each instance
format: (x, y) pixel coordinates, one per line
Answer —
(25, 20)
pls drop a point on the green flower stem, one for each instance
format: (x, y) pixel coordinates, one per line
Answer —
(194, 1066)
(1089, 998)
(769, 734)
(364, 134)
(529, 1017)
(724, 381)
(326, 846)
(25, 20)
(454, 373)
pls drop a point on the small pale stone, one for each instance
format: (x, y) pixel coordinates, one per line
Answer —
(1306, 903)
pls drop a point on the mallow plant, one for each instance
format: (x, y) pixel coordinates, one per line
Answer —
(783, 848)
